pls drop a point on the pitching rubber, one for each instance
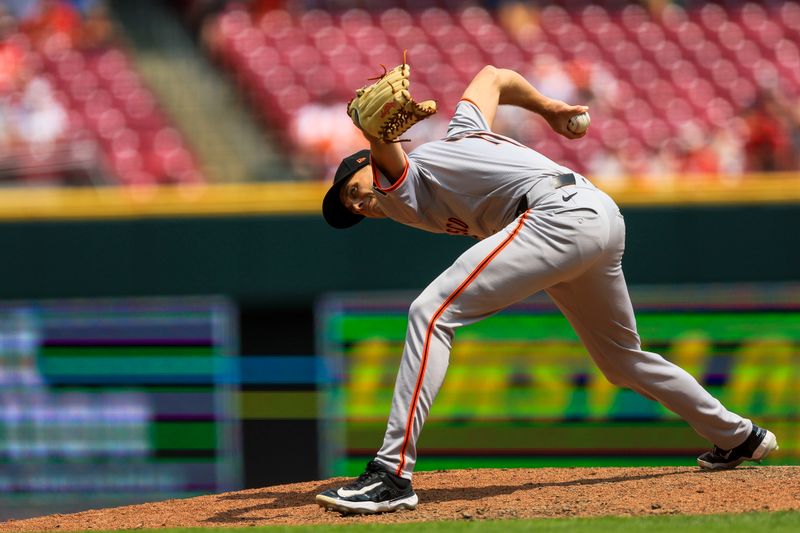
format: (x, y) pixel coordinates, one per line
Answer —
(345, 507)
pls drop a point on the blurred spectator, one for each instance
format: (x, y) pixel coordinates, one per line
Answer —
(583, 73)
(323, 132)
(96, 31)
(698, 157)
(66, 96)
(667, 86)
(520, 20)
(52, 17)
(728, 145)
(549, 76)
(32, 122)
(40, 119)
(767, 140)
(11, 52)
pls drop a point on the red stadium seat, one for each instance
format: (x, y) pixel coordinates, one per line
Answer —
(474, 19)
(632, 17)
(329, 39)
(353, 19)
(466, 59)
(69, 65)
(394, 19)
(707, 55)
(588, 51)
(508, 55)
(643, 74)
(553, 16)
(320, 81)
(654, 132)
(730, 35)
(102, 96)
(667, 55)
(303, 57)
(125, 140)
(608, 35)
(649, 36)
(270, 24)
(690, 36)
(315, 20)
(234, 22)
(110, 64)
(382, 55)
(448, 36)
(712, 16)
(699, 93)
(109, 123)
(679, 112)
(653, 72)
(719, 112)
(99, 102)
(742, 92)
(424, 57)
(368, 37)
(82, 87)
(247, 41)
(789, 17)
(592, 16)
(123, 84)
(431, 20)
(673, 16)
(141, 110)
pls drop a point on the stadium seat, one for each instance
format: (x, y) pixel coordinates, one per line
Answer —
(701, 63)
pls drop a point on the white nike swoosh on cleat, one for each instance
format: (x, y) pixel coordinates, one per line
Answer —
(344, 493)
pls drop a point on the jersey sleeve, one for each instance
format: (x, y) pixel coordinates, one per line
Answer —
(403, 190)
(467, 118)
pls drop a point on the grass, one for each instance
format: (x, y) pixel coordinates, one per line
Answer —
(777, 522)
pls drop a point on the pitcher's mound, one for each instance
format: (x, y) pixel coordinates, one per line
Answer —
(470, 495)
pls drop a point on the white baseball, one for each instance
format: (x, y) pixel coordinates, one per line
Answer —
(579, 123)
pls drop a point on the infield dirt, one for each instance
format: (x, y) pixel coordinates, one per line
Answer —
(469, 495)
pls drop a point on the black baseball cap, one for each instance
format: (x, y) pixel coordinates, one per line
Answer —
(335, 213)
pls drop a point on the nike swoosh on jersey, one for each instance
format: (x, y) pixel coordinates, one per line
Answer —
(344, 493)
(568, 197)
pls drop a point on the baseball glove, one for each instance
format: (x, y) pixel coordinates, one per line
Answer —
(385, 109)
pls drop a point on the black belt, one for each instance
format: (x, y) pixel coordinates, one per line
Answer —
(562, 180)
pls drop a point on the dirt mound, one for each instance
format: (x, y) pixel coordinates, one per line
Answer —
(469, 495)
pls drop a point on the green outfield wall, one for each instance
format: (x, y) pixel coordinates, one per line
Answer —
(290, 259)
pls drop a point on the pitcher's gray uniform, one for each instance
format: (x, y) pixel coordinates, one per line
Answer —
(568, 240)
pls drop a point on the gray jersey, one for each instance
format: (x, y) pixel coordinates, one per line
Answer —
(469, 183)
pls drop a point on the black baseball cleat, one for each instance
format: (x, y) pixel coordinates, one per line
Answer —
(758, 445)
(375, 491)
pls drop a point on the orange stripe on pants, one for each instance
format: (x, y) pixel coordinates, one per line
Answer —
(429, 332)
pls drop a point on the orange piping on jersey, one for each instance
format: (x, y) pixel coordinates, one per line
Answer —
(471, 102)
(429, 332)
(394, 185)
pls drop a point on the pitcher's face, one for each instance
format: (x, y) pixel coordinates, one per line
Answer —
(357, 195)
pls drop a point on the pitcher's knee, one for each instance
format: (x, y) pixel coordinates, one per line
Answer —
(423, 309)
(615, 378)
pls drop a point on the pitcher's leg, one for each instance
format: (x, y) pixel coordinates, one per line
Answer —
(598, 306)
(521, 260)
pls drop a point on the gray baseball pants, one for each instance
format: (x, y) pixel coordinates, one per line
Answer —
(570, 246)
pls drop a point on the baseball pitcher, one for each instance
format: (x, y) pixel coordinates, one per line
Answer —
(539, 226)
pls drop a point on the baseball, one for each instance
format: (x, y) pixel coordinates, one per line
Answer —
(579, 123)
